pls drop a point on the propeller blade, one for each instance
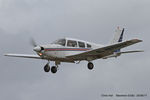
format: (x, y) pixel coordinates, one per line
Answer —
(33, 43)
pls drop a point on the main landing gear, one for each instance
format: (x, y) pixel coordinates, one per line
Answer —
(47, 67)
(90, 65)
(53, 68)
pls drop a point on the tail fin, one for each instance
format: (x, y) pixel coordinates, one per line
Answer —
(118, 37)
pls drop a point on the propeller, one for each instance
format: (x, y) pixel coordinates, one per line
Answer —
(33, 43)
(36, 48)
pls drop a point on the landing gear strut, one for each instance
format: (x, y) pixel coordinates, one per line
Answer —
(47, 67)
(90, 66)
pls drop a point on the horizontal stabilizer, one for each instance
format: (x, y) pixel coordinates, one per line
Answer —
(130, 51)
(119, 53)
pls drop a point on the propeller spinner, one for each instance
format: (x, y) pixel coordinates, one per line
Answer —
(36, 48)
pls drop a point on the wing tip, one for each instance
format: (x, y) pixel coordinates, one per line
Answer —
(136, 40)
(9, 55)
(5, 55)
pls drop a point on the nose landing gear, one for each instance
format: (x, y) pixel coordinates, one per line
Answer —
(47, 67)
(53, 68)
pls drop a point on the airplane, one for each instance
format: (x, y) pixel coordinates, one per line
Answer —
(74, 50)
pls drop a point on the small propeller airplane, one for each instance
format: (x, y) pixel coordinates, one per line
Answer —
(73, 51)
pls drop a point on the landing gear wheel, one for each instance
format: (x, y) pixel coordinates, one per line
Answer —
(54, 69)
(90, 66)
(47, 68)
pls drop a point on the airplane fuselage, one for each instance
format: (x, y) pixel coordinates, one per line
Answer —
(55, 52)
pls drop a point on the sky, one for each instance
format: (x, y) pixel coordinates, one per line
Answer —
(89, 20)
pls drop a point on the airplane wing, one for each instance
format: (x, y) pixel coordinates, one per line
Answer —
(23, 56)
(104, 51)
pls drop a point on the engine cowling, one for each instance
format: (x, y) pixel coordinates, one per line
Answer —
(38, 48)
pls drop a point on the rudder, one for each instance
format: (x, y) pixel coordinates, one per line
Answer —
(118, 37)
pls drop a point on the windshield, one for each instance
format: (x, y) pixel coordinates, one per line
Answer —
(60, 42)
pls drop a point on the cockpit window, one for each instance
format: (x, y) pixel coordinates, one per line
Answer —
(88, 46)
(72, 43)
(81, 44)
(60, 42)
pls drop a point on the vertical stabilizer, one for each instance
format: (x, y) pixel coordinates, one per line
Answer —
(118, 35)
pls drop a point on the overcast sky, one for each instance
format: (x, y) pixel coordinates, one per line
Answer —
(91, 20)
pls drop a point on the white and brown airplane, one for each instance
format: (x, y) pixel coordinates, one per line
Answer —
(74, 50)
